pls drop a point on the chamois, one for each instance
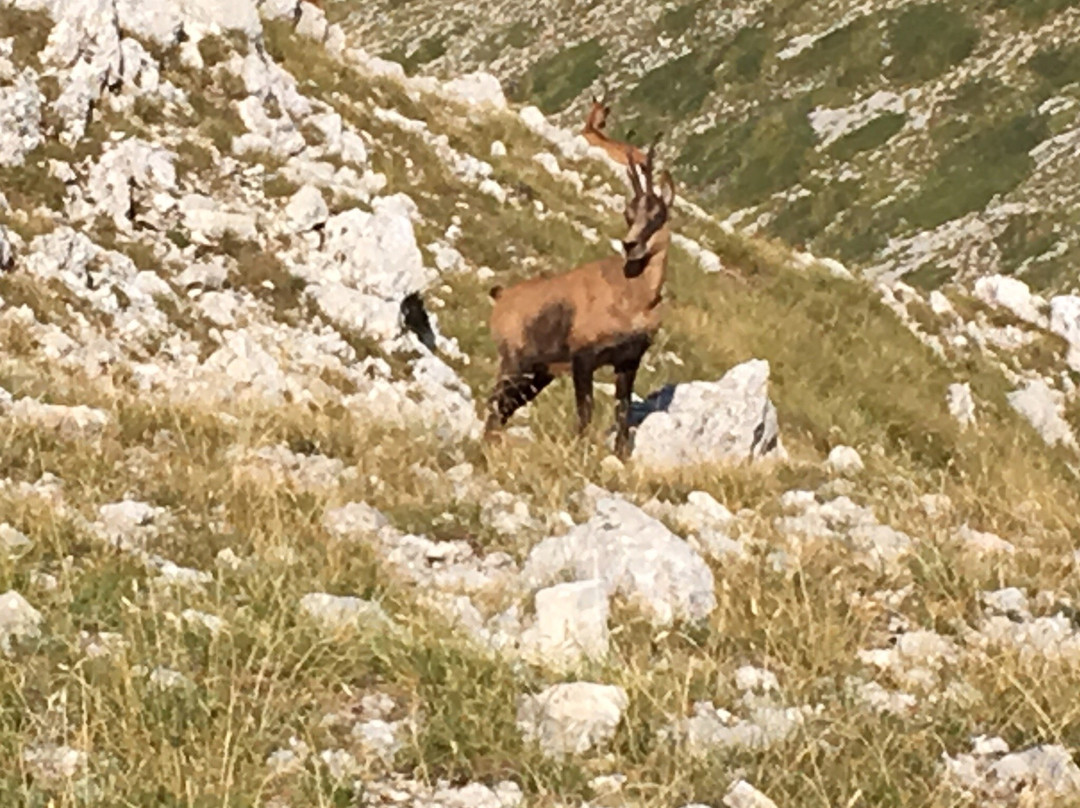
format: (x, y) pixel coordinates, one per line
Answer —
(593, 131)
(605, 312)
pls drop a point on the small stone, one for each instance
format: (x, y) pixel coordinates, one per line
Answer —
(337, 613)
(306, 209)
(743, 795)
(844, 460)
(18, 620)
(961, 404)
(571, 718)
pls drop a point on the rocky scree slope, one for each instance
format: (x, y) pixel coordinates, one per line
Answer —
(932, 140)
(252, 552)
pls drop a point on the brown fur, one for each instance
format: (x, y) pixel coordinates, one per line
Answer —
(595, 123)
(605, 312)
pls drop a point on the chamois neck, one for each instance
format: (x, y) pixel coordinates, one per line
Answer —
(653, 267)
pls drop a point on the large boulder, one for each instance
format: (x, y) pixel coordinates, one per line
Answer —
(730, 420)
(631, 554)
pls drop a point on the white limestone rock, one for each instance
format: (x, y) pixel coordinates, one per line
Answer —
(1042, 406)
(13, 542)
(336, 613)
(844, 460)
(306, 210)
(124, 166)
(571, 624)
(992, 776)
(961, 404)
(476, 89)
(18, 620)
(1013, 295)
(128, 525)
(728, 421)
(20, 118)
(1065, 322)
(571, 718)
(70, 423)
(743, 795)
(7, 252)
(54, 766)
(633, 555)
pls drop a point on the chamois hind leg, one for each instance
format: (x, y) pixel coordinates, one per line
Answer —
(624, 387)
(583, 366)
(512, 391)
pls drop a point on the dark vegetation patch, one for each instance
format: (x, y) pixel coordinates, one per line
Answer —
(960, 182)
(753, 159)
(554, 82)
(869, 136)
(926, 40)
(1057, 66)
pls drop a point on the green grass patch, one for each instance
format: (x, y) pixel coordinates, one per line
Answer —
(1057, 66)
(751, 160)
(869, 136)
(928, 39)
(847, 58)
(960, 182)
(930, 276)
(554, 82)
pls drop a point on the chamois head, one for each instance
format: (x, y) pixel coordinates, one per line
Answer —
(598, 113)
(647, 212)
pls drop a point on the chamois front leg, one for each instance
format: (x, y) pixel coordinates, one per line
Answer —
(583, 366)
(512, 391)
(624, 387)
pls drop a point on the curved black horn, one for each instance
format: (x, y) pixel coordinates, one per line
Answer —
(648, 168)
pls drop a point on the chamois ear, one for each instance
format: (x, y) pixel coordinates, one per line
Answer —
(667, 187)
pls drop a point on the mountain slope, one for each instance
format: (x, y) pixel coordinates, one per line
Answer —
(933, 140)
(252, 551)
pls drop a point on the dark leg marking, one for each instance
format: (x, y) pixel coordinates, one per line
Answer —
(583, 365)
(512, 392)
(624, 387)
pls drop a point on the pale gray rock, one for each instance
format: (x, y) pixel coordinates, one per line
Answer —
(1030, 777)
(7, 252)
(209, 274)
(1042, 406)
(128, 525)
(54, 766)
(312, 22)
(162, 678)
(306, 210)
(1008, 602)
(278, 136)
(354, 522)
(18, 620)
(571, 718)
(961, 403)
(1065, 322)
(378, 738)
(981, 543)
(1035, 639)
(1013, 295)
(879, 546)
(131, 163)
(633, 555)
(220, 308)
(743, 795)
(70, 423)
(20, 118)
(571, 624)
(227, 15)
(844, 460)
(707, 261)
(728, 421)
(710, 728)
(208, 221)
(478, 88)
(339, 612)
(13, 542)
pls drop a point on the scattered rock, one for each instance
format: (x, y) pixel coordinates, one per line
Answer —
(20, 118)
(1041, 406)
(991, 778)
(54, 766)
(128, 525)
(571, 623)
(983, 544)
(306, 209)
(1013, 295)
(844, 460)
(69, 423)
(18, 620)
(728, 421)
(571, 718)
(743, 795)
(1065, 322)
(338, 613)
(632, 554)
(13, 543)
(961, 404)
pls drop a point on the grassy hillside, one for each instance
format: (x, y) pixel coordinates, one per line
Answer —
(188, 673)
